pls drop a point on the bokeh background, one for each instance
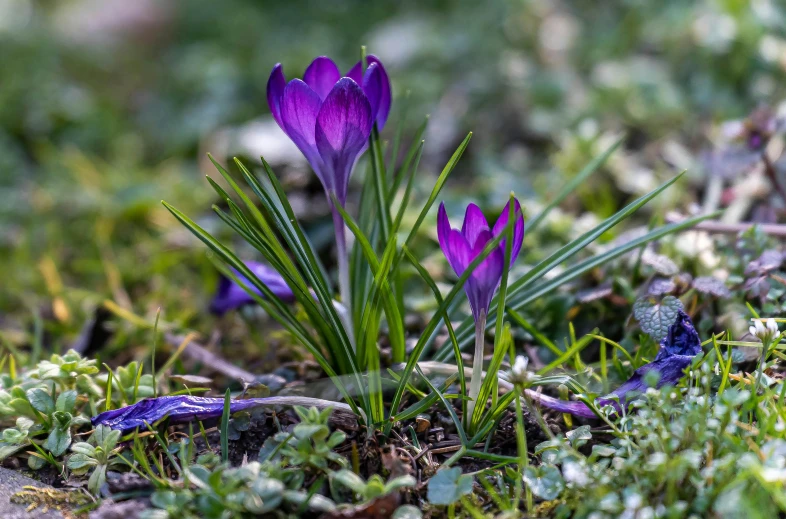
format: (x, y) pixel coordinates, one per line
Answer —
(109, 106)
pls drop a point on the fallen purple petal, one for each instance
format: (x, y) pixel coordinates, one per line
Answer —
(678, 350)
(186, 408)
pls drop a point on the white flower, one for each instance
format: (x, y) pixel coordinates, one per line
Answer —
(519, 372)
(766, 333)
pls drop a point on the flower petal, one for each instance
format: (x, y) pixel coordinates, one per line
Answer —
(384, 91)
(356, 73)
(385, 97)
(488, 274)
(299, 108)
(372, 86)
(321, 75)
(486, 277)
(230, 295)
(518, 229)
(343, 127)
(453, 244)
(474, 223)
(276, 84)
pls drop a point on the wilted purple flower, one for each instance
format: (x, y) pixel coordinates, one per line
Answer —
(677, 351)
(230, 295)
(329, 117)
(462, 247)
(185, 408)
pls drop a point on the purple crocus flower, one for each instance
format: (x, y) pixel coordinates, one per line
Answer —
(329, 117)
(677, 351)
(230, 295)
(462, 247)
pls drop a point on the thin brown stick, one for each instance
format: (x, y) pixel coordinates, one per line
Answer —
(212, 361)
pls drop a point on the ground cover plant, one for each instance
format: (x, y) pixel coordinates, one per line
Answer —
(333, 340)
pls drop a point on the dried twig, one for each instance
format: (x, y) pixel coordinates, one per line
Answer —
(212, 361)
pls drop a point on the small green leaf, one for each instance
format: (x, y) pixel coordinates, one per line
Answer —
(163, 499)
(66, 401)
(41, 401)
(7, 450)
(545, 481)
(655, 318)
(350, 480)
(603, 451)
(579, 436)
(35, 462)
(80, 462)
(97, 479)
(407, 512)
(58, 441)
(448, 486)
(83, 448)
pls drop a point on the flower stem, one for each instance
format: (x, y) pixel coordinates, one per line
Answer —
(343, 276)
(765, 347)
(521, 440)
(477, 368)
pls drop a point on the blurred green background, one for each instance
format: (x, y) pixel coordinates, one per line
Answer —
(109, 106)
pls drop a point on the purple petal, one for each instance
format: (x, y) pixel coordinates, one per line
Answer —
(489, 272)
(486, 277)
(230, 296)
(372, 86)
(457, 252)
(518, 229)
(562, 406)
(179, 408)
(356, 73)
(384, 91)
(681, 339)
(275, 91)
(385, 97)
(343, 127)
(474, 224)
(452, 243)
(321, 75)
(299, 108)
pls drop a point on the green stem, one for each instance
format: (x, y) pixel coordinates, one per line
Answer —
(343, 276)
(477, 368)
(521, 437)
(765, 347)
